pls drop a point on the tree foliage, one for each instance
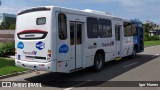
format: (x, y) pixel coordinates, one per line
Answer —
(7, 24)
(148, 27)
(12, 27)
(7, 48)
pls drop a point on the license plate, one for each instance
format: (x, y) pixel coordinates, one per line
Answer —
(29, 57)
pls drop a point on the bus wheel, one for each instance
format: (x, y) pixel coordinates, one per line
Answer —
(98, 62)
(134, 53)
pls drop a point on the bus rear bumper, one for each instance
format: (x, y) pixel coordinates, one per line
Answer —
(36, 65)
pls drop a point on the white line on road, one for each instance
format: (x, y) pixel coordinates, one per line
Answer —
(157, 54)
(77, 85)
(130, 65)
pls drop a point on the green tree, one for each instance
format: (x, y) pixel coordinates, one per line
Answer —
(8, 23)
(0, 27)
(148, 27)
(12, 27)
(5, 24)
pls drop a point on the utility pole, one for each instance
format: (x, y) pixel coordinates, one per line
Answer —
(0, 2)
(0, 6)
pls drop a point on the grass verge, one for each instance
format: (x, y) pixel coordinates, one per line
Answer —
(151, 43)
(7, 66)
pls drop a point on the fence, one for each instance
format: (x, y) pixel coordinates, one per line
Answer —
(6, 35)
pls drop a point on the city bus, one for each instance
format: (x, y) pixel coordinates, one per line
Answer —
(57, 39)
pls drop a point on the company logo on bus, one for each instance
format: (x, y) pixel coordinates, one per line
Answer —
(30, 53)
(40, 45)
(108, 44)
(20, 45)
(63, 49)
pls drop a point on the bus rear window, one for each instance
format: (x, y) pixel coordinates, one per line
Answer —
(41, 21)
(62, 26)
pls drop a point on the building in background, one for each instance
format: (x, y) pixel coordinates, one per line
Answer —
(154, 29)
(153, 25)
(9, 17)
(154, 33)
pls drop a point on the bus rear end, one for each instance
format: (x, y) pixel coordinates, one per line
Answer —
(33, 39)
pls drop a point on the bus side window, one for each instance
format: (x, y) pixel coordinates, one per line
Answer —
(62, 26)
(134, 30)
(127, 29)
(92, 27)
(105, 28)
(72, 32)
(117, 32)
(79, 34)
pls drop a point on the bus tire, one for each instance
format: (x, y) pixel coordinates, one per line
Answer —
(98, 62)
(134, 53)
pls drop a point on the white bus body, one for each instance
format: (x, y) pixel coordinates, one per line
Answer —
(58, 39)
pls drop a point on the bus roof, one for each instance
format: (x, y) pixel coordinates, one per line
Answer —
(87, 12)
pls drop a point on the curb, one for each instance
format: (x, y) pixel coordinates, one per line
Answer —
(152, 46)
(16, 74)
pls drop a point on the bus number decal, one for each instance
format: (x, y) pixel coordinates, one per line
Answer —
(63, 49)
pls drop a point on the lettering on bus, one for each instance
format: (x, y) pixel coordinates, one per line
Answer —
(30, 53)
(108, 44)
(92, 46)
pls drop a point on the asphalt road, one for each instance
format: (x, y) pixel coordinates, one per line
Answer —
(144, 68)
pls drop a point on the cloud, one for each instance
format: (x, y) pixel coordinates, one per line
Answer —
(8, 10)
(143, 9)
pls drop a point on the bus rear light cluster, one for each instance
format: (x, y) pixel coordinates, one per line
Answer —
(15, 51)
(49, 53)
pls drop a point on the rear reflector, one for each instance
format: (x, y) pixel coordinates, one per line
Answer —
(49, 55)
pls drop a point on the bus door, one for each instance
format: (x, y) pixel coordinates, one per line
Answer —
(141, 34)
(118, 30)
(76, 29)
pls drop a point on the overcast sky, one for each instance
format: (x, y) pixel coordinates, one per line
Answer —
(132, 9)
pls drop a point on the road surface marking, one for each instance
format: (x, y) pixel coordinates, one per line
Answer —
(157, 54)
(77, 85)
(130, 64)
